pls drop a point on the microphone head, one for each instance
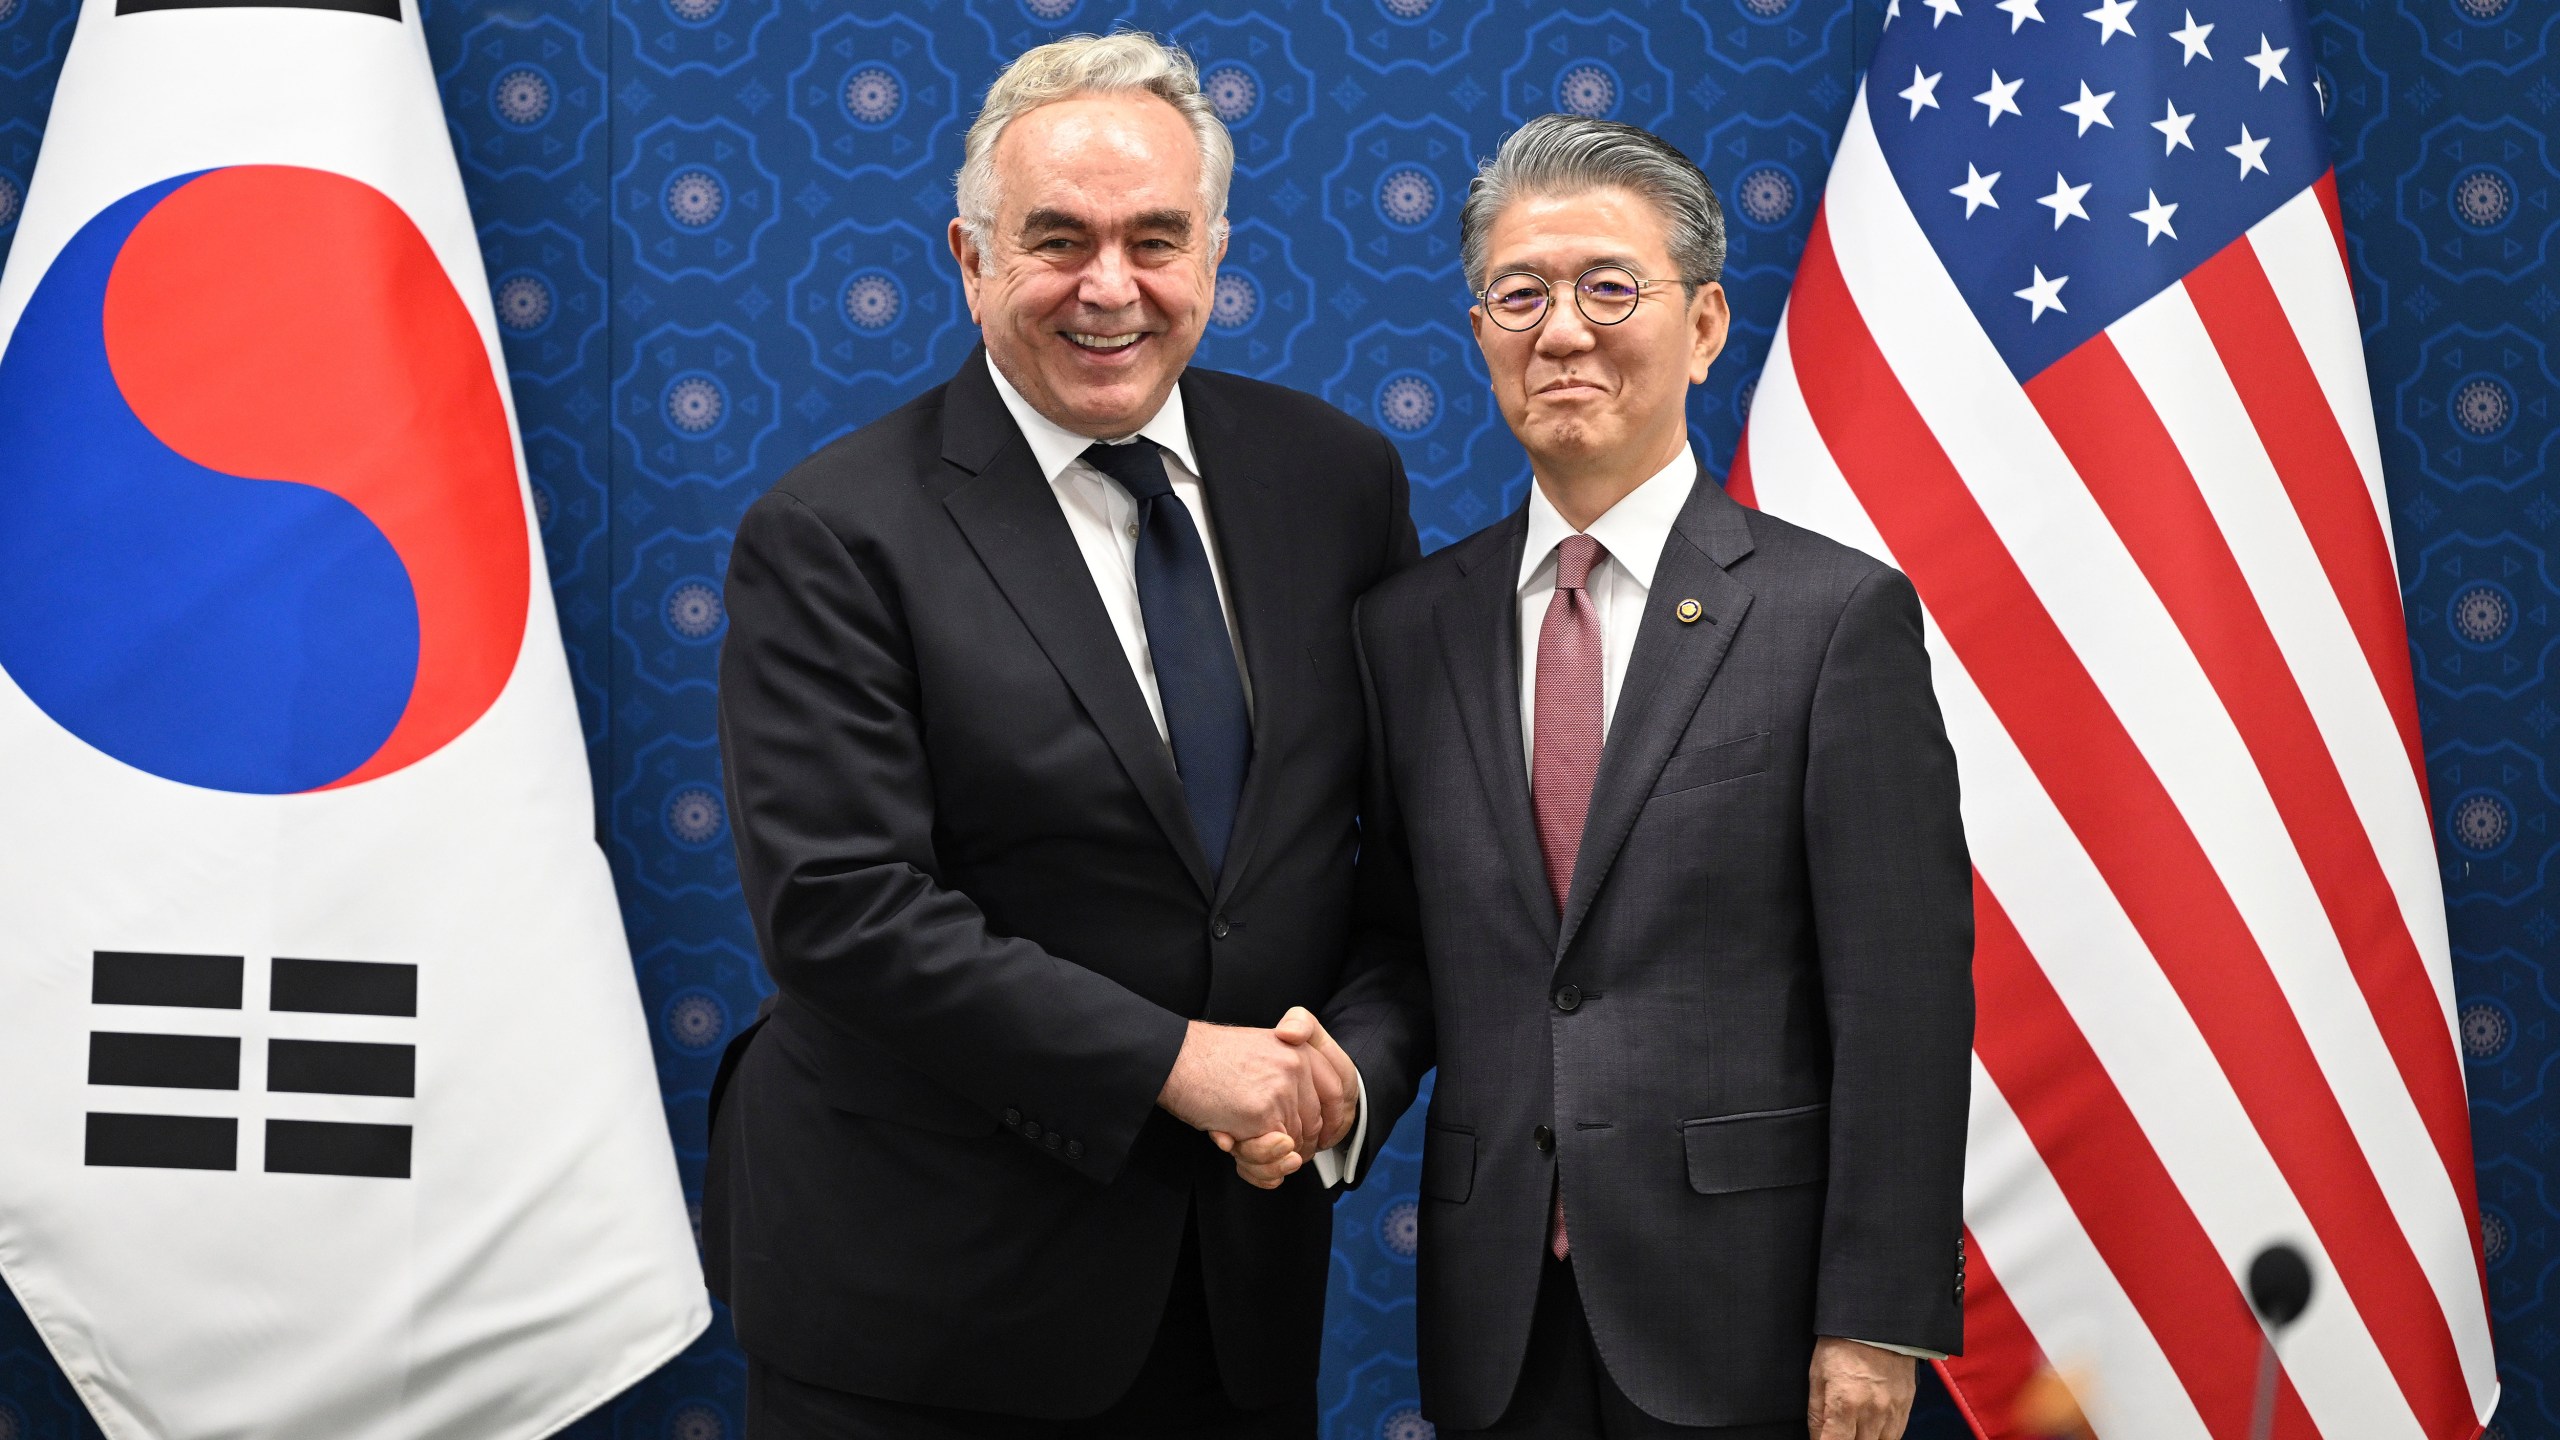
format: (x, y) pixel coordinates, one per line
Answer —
(2279, 1284)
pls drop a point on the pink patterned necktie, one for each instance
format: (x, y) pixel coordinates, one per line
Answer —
(1565, 755)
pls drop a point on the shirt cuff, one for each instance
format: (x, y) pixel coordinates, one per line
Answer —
(1914, 1351)
(1341, 1164)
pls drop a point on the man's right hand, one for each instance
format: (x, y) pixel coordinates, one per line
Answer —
(1266, 1160)
(1233, 1080)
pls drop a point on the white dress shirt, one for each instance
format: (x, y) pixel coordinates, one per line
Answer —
(1632, 532)
(1104, 519)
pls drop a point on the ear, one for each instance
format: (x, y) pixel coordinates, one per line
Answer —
(965, 252)
(1710, 322)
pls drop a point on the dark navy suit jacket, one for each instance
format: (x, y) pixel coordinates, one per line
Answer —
(938, 1172)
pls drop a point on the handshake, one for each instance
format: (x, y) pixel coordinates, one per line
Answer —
(1274, 1099)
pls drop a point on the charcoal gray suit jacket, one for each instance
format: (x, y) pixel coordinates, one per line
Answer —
(1744, 1044)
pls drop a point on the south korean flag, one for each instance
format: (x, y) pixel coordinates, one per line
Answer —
(330, 1109)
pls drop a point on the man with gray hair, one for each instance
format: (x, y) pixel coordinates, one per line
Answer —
(1043, 743)
(1671, 784)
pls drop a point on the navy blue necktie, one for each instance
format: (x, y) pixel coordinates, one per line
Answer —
(1195, 661)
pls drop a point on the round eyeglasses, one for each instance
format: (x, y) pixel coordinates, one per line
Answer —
(1605, 294)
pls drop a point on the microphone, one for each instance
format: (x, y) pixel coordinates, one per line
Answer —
(2279, 1290)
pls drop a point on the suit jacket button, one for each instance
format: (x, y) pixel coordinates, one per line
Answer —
(1030, 1129)
(1075, 1149)
(1568, 998)
(1545, 1138)
(1055, 1139)
(1012, 1119)
(1218, 928)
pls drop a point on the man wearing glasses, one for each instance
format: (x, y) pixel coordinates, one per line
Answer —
(1680, 816)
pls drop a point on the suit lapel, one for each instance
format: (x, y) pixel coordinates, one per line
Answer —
(1480, 643)
(1011, 519)
(1666, 676)
(1247, 514)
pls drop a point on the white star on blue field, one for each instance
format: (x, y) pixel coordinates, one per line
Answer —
(2070, 159)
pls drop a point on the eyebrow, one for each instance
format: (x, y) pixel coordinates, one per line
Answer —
(1173, 222)
(1589, 263)
(1039, 220)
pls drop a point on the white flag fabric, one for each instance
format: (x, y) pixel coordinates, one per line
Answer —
(331, 1111)
(2115, 427)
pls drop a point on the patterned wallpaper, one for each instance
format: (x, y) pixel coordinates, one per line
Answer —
(713, 228)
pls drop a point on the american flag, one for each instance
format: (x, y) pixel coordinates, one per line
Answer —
(2072, 344)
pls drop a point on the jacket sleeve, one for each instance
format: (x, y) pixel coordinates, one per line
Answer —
(832, 806)
(1893, 920)
(1381, 1013)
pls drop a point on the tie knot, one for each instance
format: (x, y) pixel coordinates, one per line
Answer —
(1575, 556)
(1136, 464)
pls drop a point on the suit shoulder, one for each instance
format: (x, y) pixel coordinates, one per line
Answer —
(890, 459)
(1304, 418)
(1408, 596)
(1789, 552)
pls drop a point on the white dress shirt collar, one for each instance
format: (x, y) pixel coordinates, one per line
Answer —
(1055, 447)
(1633, 531)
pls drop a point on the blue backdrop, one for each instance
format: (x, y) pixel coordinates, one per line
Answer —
(714, 233)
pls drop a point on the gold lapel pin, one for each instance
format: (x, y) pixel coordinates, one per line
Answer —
(1689, 611)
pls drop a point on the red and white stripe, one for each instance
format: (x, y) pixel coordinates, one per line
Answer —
(2214, 983)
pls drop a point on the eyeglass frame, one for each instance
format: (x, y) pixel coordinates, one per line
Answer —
(1484, 297)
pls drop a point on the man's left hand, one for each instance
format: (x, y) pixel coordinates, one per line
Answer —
(1859, 1392)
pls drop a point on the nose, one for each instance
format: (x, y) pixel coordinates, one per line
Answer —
(1565, 331)
(1108, 281)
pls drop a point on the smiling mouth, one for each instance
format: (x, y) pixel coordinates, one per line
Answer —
(1102, 344)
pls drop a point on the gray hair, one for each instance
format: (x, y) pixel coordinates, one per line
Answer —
(1569, 154)
(1123, 62)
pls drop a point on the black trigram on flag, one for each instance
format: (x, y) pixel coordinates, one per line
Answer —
(212, 1062)
(386, 9)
